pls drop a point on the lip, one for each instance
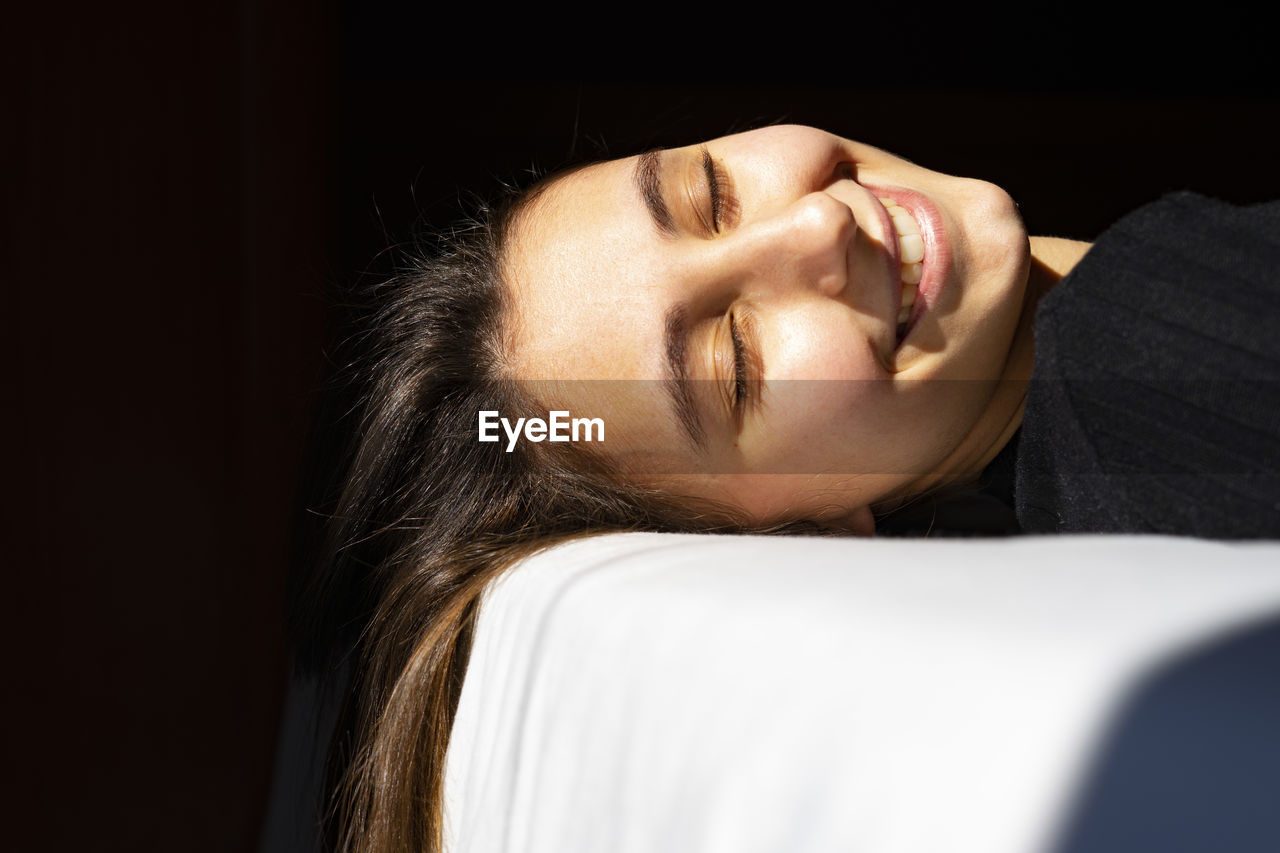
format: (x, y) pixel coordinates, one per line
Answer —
(937, 248)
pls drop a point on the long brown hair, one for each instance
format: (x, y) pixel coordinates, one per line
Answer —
(426, 516)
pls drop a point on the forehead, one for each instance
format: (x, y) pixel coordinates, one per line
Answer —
(585, 273)
(581, 271)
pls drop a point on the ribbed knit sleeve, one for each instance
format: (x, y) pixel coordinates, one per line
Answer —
(1155, 400)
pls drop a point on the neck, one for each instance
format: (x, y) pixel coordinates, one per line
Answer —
(1051, 259)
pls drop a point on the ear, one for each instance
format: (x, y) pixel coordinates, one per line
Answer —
(860, 521)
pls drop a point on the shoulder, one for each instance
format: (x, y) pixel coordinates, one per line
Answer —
(1164, 280)
(1154, 400)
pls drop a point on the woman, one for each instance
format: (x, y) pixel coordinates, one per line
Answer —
(825, 331)
(832, 356)
(779, 330)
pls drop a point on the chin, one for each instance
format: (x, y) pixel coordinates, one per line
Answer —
(1003, 254)
(994, 219)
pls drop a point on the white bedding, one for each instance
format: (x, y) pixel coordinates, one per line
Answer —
(653, 692)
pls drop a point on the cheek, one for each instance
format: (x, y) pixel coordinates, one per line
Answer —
(821, 341)
(858, 428)
(841, 426)
(828, 403)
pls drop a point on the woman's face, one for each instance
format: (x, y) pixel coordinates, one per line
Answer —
(743, 299)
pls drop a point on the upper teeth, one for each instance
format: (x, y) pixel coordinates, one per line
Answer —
(910, 255)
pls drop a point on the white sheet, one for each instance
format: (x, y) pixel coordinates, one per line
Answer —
(648, 692)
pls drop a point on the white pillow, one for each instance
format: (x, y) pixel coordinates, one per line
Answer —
(654, 692)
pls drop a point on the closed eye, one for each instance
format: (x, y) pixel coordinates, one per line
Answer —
(722, 201)
(747, 386)
(741, 388)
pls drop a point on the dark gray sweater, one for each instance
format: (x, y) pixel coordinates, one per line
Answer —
(1155, 400)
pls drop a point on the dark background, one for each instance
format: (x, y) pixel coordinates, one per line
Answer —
(190, 188)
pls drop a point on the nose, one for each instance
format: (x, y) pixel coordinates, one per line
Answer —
(806, 244)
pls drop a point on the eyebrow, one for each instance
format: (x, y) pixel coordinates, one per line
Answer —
(676, 337)
(648, 181)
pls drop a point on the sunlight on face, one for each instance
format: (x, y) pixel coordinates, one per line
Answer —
(735, 313)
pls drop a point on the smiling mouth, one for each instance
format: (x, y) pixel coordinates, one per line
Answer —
(910, 257)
